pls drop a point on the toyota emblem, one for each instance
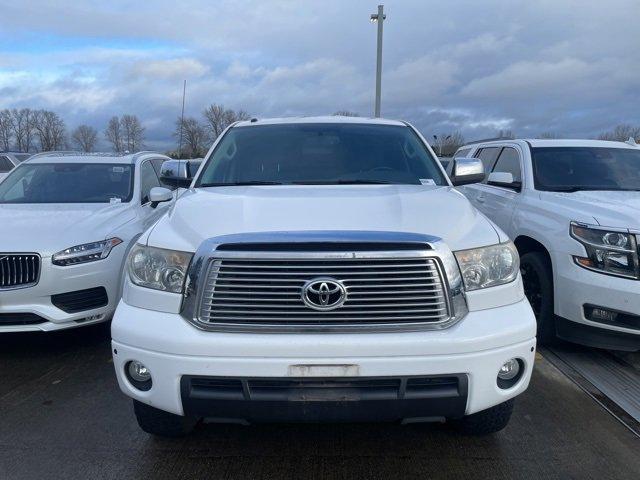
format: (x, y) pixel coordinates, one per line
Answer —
(324, 294)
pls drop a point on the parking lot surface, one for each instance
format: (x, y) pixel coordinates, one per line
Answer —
(63, 416)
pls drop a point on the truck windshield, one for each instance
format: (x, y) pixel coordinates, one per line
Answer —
(570, 169)
(68, 183)
(321, 154)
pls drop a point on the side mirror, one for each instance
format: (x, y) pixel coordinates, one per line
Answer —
(159, 195)
(466, 171)
(503, 179)
(176, 172)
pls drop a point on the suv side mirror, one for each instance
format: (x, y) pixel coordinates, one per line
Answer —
(176, 172)
(503, 179)
(466, 171)
(158, 195)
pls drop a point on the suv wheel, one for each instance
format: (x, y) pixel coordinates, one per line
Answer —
(538, 288)
(487, 421)
(160, 423)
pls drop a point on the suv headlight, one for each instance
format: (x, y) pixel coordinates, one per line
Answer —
(488, 266)
(158, 268)
(88, 252)
(608, 251)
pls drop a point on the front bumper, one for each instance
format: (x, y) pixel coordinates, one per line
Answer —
(576, 287)
(36, 300)
(474, 349)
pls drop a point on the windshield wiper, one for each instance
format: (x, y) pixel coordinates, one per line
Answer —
(237, 184)
(343, 182)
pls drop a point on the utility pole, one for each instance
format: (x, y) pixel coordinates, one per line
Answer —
(378, 18)
(184, 92)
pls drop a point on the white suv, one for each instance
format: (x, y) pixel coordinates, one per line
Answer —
(68, 221)
(572, 209)
(323, 269)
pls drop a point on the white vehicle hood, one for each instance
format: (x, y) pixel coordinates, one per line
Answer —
(49, 228)
(438, 211)
(607, 208)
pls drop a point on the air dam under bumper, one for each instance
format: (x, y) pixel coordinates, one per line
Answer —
(329, 399)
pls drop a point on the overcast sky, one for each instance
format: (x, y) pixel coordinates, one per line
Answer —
(571, 67)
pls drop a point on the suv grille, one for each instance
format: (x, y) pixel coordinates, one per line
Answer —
(385, 291)
(19, 270)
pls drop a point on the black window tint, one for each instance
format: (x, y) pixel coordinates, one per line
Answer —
(68, 183)
(5, 164)
(586, 168)
(488, 157)
(509, 162)
(321, 153)
(148, 180)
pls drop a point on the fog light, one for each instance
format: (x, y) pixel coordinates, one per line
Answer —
(509, 370)
(138, 372)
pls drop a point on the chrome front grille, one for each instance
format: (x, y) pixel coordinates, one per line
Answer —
(380, 290)
(19, 270)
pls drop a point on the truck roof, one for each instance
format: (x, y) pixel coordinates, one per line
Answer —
(557, 142)
(319, 119)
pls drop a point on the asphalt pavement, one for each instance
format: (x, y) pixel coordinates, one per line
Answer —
(63, 416)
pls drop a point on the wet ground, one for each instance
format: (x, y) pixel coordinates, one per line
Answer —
(63, 416)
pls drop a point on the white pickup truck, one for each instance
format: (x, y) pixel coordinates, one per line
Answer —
(572, 208)
(323, 269)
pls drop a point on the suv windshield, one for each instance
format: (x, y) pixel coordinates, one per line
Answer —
(569, 169)
(321, 154)
(68, 183)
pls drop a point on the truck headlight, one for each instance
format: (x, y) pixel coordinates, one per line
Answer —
(158, 268)
(88, 252)
(488, 266)
(608, 251)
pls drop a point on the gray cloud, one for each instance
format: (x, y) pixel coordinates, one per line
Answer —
(570, 66)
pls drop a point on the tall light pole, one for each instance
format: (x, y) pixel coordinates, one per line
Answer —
(379, 18)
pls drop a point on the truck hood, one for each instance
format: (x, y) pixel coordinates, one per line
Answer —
(209, 212)
(49, 228)
(607, 208)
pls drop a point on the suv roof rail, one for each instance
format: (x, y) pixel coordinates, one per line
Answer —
(495, 139)
(72, 153)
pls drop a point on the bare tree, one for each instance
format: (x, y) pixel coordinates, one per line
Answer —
(24, 121)
(506, 134)
(447, 144)
(621, 133)
(194, 137)
(50, 130)
(132, 133)
(218, 118)
(85, 138)
(6, 129)
(549, 135)
(346, 113)
(113, 134)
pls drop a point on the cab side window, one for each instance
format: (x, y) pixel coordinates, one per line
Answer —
(5, 164)
(488, 155)
(509, 162)
(148, 180)
(157, 166)
(463, 152)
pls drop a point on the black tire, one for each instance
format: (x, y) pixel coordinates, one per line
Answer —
(537, 277)
(487, 421)
(160, 423)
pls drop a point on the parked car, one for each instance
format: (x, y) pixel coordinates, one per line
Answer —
(10, 160)
(323, 269)
(69, 220)
(572, 208)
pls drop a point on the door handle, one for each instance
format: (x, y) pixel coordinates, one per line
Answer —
(480, 199)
